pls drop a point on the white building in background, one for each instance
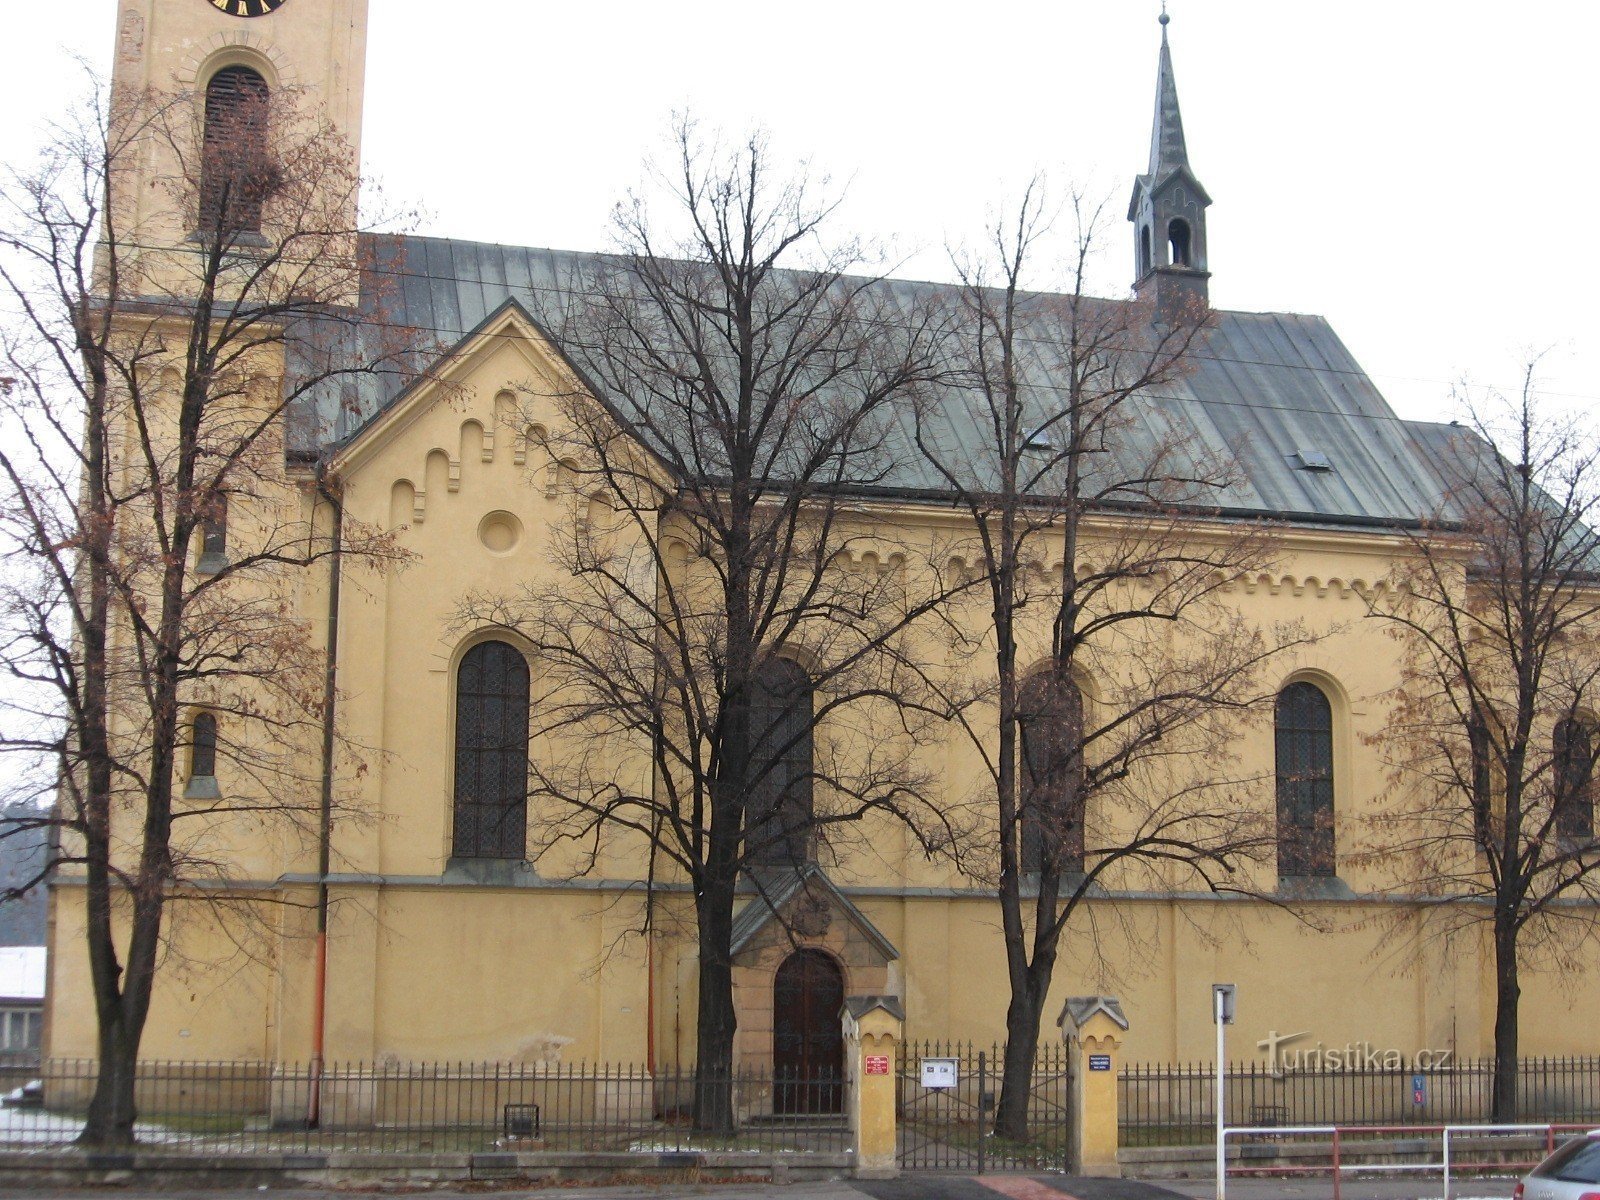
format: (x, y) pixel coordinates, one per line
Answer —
(22, 976)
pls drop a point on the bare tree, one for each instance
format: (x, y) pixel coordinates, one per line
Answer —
(1491, 734)
(725, 607)
(179, 276)
(1105, 760)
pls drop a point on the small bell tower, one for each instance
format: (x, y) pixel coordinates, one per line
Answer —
(1168, 208)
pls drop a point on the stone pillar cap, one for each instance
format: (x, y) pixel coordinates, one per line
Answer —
(1079, 1009)
(860, 1006)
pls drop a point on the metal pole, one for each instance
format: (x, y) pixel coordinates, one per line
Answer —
(983, 1113)
(1222, 1149)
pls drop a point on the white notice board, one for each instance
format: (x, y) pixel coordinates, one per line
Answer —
(940, 1072)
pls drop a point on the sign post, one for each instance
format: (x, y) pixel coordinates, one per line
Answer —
(1222, 1002)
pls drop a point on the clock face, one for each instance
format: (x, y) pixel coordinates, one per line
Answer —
(247, 8)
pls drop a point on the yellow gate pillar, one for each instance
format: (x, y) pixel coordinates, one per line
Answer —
(873, 1027)
(1093, 1027)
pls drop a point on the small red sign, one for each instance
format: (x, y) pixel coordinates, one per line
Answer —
(877, 1064)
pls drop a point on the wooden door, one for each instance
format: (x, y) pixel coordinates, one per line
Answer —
(807, 1040)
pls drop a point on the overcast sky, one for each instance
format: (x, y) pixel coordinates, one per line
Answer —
(1417, 172)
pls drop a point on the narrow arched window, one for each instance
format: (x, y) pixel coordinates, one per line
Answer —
(1050, 807)
(236, 170)
(1481, 748)
(214, 537)
(491, 783)
(1572, 772)
(203, 747)
(1305, 781)
(1144, 250)
(779, 808)
(1178, 239)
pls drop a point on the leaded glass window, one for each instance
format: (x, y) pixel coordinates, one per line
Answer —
(491, 784)
(1573, 774)
(1305, 781)
(779, 811)
(1050, 811)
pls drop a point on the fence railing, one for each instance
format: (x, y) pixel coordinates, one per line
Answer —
(1173, 1104)
(262, 1108)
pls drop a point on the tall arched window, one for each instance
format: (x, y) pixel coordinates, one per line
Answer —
(1573, 771)
(1050, 719)
(236, 169)
(491, 785)
(1305, 781)
(779, 809)
(1144, 250)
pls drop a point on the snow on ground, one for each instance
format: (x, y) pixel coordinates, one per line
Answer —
(36, 1127)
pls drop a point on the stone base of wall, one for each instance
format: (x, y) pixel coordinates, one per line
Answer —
(153, 1169)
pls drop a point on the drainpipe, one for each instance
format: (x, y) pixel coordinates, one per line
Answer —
(319, 991)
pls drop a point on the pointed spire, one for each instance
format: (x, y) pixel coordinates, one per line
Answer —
(1167, 148)
(1168, 206)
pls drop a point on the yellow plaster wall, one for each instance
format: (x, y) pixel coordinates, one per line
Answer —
(419, 970)
(213, 995)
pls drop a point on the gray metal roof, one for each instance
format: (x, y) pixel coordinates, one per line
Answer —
(1264, 387)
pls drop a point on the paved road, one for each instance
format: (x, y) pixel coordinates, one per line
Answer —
(921, 1187)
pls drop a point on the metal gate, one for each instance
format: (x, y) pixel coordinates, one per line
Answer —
(951, 1128)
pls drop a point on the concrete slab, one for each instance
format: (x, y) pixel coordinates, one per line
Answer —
(1015, 1187)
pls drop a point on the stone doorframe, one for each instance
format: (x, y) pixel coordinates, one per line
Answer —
(797, 909)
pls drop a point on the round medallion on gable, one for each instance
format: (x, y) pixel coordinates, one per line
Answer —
(500, 532)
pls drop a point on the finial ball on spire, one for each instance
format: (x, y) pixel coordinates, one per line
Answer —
(1163, 18)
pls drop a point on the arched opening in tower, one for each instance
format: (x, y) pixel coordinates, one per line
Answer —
(1178, 242)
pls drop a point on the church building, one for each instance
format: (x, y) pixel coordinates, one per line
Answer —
(455, 932)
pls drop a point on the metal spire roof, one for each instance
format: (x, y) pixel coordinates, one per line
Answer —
(1168, 152)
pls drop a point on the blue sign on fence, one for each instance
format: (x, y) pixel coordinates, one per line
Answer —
(1099, 1062)
(1419, 1089)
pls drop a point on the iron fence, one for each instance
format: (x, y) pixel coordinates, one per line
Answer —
(953, 1128)
(265, 1108)
(1174, 1104)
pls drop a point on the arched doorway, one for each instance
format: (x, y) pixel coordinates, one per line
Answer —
(807, 1040)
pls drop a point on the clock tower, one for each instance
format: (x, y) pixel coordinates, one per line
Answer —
(313, 50)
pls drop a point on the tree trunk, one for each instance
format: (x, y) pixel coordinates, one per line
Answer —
(1022, 1046)
(111, 1110)
(1507, 995)
(715, 1019)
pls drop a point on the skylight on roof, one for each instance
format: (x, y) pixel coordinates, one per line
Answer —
(1039, 439)
(1310, 460)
